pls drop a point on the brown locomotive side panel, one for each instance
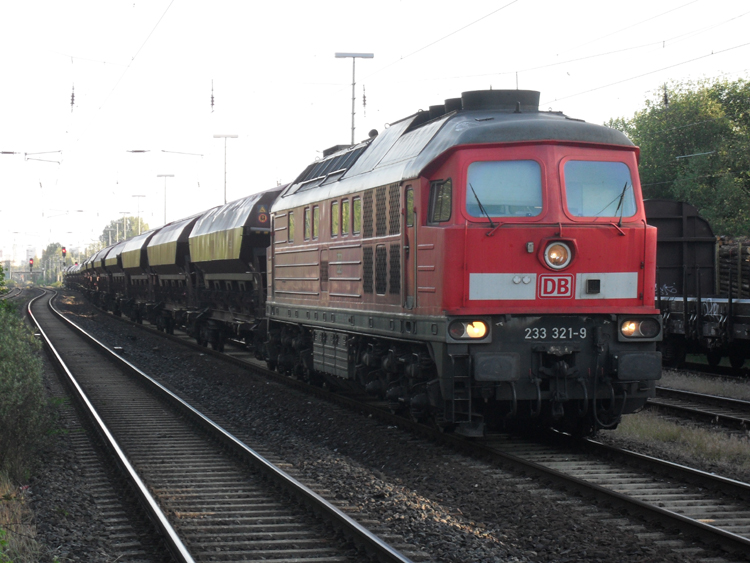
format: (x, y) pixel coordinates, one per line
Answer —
(355, 270)
(297, 274)
(345, 272)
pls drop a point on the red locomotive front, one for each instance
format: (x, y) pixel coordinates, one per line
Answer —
(494, 265)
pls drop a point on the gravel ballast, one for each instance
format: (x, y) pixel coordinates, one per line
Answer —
(450, 507)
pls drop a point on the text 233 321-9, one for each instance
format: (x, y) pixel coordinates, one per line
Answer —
(554, 333)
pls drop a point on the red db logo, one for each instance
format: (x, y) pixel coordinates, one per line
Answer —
(555, 287)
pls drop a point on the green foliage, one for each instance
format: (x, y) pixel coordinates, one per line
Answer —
(695, 147)
(2, 280)
(24, 416)
(113, 232)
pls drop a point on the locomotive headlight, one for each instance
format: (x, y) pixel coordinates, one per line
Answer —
(466, 330)
(557, 255)
(640, 328)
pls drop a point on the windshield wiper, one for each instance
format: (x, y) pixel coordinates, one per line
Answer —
(481, 207)
(620, 206)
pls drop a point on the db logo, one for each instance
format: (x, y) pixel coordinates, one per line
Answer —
(551, 287)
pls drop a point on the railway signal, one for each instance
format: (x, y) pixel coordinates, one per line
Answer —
(31, 264)
(64, 252)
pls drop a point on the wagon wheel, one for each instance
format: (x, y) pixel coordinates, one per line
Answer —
(737, 360)
(713, 357)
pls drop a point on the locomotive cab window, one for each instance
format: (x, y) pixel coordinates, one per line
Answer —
(290, 228)
(308, 224)
(599, 189)
(507, 188)
(441, 199)
(316, 222)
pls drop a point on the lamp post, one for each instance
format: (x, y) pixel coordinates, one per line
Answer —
(165, 176)
(354, 57)
(225, 137)
(139, 211)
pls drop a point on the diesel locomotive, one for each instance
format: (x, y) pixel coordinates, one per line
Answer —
(480, 264)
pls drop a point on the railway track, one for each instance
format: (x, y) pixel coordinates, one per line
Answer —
(729, 413)
(717, 371)
(714, 509)
(210, 496)
(704, 507)
(12, 294)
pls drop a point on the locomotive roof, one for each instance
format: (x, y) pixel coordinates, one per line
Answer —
(408, 146)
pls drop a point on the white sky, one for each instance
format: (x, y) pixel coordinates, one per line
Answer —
(143, 71)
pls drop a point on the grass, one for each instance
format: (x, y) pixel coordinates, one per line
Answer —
(735, 389)
(17, 529)
(711, 450)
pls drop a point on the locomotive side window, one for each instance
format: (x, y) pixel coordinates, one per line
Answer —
(334, 218)
(357, 213)
(308, 225)
(345, 217)
(599, 189)
(290, 230)
(508, 188)
(316, 222)
(441, 199)
(409, 207)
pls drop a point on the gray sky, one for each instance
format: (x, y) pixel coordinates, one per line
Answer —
(143, 73)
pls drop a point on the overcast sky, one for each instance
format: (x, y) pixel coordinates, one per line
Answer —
(143, 72)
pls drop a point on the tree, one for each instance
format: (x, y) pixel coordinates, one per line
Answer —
(695, 140)
(52, 261)
(113, 232)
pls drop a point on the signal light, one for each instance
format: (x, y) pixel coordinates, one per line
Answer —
(31, 264)
(64, 252)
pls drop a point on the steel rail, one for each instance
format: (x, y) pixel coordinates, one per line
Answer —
(12, 294)
(706, 532)
(361, 536)
(731, 413)
(172, 539)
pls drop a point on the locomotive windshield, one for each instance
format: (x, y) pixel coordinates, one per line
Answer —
(599, 189)
(506, 188)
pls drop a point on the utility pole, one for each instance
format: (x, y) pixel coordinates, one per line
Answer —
(139, 211)
(354, 57)
(225, 137)
(165, 176)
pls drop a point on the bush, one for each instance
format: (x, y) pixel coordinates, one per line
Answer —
(23, 406)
